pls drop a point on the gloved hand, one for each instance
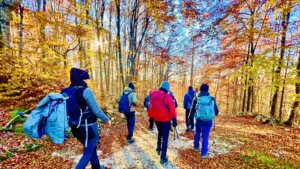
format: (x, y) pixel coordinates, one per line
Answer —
(174, 122)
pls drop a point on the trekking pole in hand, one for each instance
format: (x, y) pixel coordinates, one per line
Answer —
(176, 132)
(214, 141)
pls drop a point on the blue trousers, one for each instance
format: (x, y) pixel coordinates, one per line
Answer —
(204, 128)
(130, 118)
(151, 121)
(89, 152)
(163, 137)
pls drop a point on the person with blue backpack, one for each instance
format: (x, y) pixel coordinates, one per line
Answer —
(204, 109)
(83, 112)
(187, 104)
(127, 104)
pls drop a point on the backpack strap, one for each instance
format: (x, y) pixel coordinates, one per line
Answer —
(126, 94)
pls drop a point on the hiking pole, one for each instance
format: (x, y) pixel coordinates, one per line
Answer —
(176, 132)
(214, 140)
(8, 126)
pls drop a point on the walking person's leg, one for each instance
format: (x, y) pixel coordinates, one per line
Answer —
(165, 137)
(87, 154)
(151, 121)
(159, 136)
(197, 136)
(94, 160)
(187, 111)
(206, 126)
(130, 126)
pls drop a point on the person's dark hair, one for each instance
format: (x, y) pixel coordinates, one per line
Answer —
(77, 76)
(204, 88)
(190, 87)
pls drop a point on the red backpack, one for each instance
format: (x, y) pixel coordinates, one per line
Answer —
(157, 108)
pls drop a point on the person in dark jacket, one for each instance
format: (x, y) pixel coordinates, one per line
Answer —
(130, 118)
(162, 111)
(146, 103)
(174, 100)
(87, 131)
(202, 126)
(187, 104)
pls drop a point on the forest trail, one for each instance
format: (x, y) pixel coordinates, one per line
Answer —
(240, 142)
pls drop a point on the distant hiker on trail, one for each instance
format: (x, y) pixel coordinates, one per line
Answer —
(187, 104)
(83, 122)
(146, 103)
(174, 100)
(127, 104)
(162, 110)
(204, 109)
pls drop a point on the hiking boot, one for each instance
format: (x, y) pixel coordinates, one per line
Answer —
(130, 141)
(163, 161)
(204, 156)
(158, 152)
(196, 149)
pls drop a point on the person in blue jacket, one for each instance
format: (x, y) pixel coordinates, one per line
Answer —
(146, 104)
(87, 132)
(187, 104)
(202, 126)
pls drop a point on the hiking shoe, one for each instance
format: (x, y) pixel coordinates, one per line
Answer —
(196, 149)
(130, 141)
(163, 161)
(204, 156)
(158, 152)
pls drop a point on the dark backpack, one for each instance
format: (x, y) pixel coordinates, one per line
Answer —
(77, 109)
(124, 104)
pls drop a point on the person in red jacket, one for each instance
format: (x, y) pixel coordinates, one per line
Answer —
(162, 110)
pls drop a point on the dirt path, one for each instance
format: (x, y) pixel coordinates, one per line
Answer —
(142, 154)
(240, 142)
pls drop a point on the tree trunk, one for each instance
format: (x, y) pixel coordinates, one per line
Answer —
(284, 24)
(6, 8)
(292, 116)
(21, 31)
(119, 42)
(192, 67)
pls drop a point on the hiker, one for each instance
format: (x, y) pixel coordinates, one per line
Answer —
(187, 104)
(173, 98)
(146, 103)
(204, 109)
(87, 130)
(127, 104)
(162, 110)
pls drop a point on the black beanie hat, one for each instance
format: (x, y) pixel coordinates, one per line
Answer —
(190, 87)
(204, 88)
(77, 76)
(131, 86)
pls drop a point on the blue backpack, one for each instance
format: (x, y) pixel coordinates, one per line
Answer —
(124, 104)
(205, 108)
